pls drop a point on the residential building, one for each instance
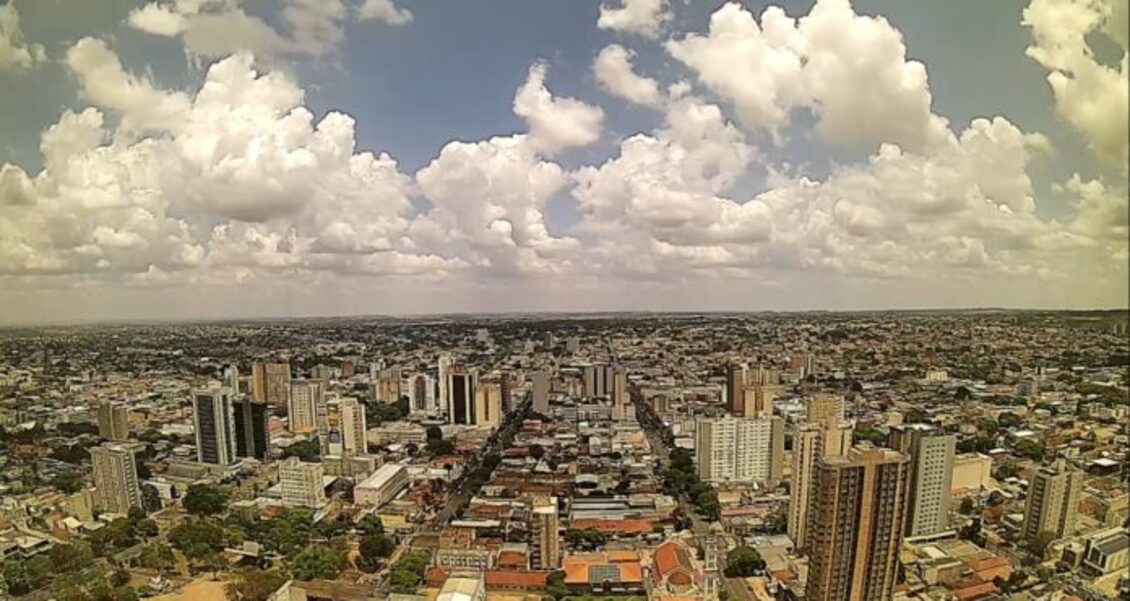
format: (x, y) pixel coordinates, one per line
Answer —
(855, 525)
(306, 408)
(117, 487)
(540, 385)
(113, 421)
(345, 428)
(301, 483)
(461, 397)
(739, 449)
(547, 553)
(931, 454)
(1053, 502)
(270, 382)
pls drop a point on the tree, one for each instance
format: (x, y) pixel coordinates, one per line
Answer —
(197, 539)
(150, 498)
(408, 573)
(70, 557)
(254, 585)
(68, 482)
(204, 499)
(536, 451)
(371, 524)
(433, 433)
(373, 549)
(309, 451)
(555, 585)
(156, 556)
(744, 561)
(1009, 420)
(317, 562)
(119, 577)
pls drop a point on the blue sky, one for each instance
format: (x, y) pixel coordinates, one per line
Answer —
(451, 74)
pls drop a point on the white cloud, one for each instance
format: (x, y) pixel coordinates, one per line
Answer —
(850, 70)
(641, 17)
(158, 20)
(213, 29)
(1089, 95)
(15, 53)
(106, 83)
(555, 123)
(613, 70)
(384, 10)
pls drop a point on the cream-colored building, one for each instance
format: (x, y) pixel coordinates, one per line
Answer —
(739, 449)
(301, 483)
(971, 472)
(1053, 502)
(382, 486)
(115, 478)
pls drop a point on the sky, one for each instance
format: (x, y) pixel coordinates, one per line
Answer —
(194, 159)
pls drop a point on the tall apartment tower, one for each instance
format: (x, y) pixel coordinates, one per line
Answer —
(345, 428)
(734, 449)
(540, 385)
(113, 421)
(301, 483)
(855, 525)
(1053, 502)
(549, 543)
(422, 392)
(621, 404)
(598, 380)
(270, 382)
(758, 400)
(931, 473)
(215, 426)
(461, 397)
(443, 383)
(808, 445)
(117, 487)
(825, 434)
(488, 404)
(252, 438)
(231, 378)
(306, 409)
(735, 389)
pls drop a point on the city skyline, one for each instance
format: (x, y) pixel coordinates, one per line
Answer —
(181, 160)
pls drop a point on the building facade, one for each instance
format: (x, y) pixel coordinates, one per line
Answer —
(117, 487)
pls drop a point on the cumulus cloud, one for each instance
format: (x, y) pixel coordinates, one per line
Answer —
(214, 29)
(640, 17)
(383, 10)
(848, 69)
(555, 122)
(614, 73)
(15, 53)
(106, 83)
(1089, 95)
(254, 182)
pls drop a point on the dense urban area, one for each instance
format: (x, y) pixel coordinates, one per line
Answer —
(978, 455)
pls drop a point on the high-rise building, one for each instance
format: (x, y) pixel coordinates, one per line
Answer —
(548, 556)
(215, 426)
(735, 389)
(808, 443)
(113, 421)
(252, 437)
(388, 389)
(621, 404)
(488, 404)
(540, 384)
(738, 449)
(307, 407)
(758, 400)
(825, 434)
(301, 483)
(855, 525)
(598, 380)
(461, 397)
(931, 473)
(443, 367)
(270, 382)
(1053, 502)
(422, 392)
(117, 487)
(232, 379)
(345, 428)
